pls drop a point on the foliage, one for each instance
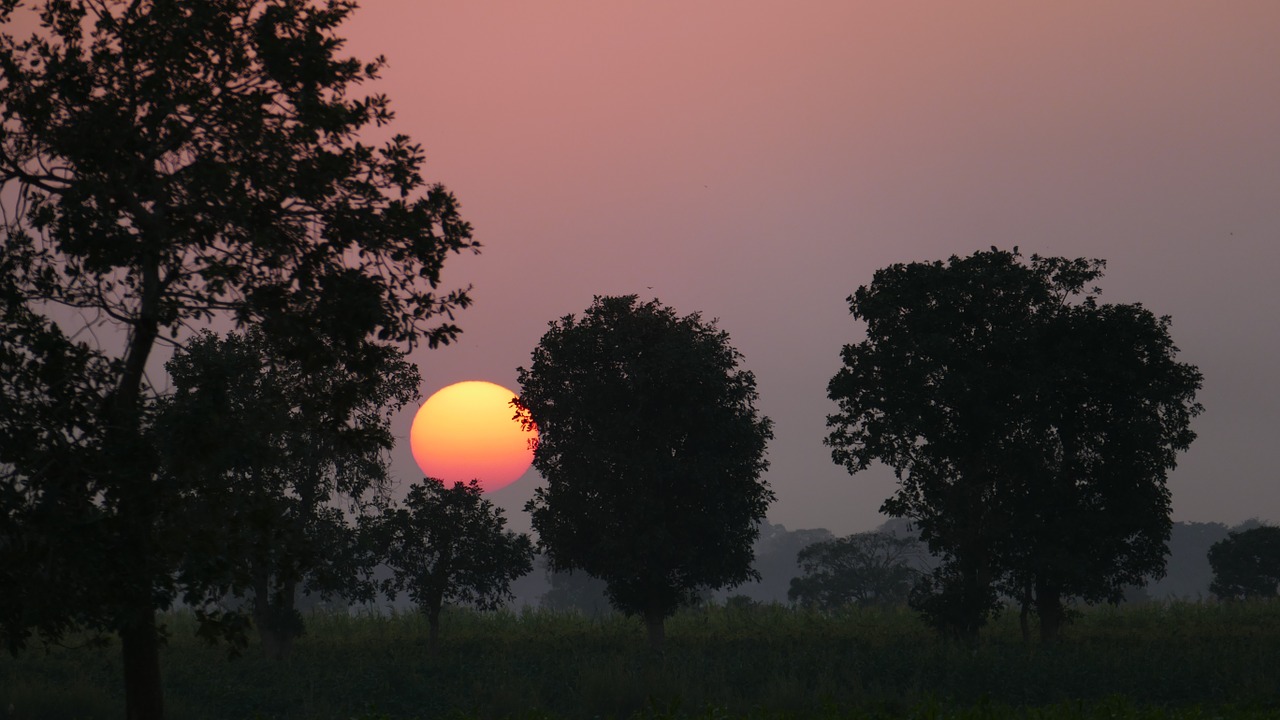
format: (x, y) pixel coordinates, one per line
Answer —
(775, 559)
(273, 454)
(1031, 431)
(50, 435)
(164, 164)
(1247, 564)
(652, 450)
(871, 568)
(448, 545)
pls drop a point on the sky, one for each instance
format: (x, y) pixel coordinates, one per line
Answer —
(758, 161)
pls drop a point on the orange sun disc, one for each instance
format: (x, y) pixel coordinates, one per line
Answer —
(466, 431)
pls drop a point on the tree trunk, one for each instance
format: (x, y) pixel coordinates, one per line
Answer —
(1049, 608)
(975, 581)
(1024, 622)
(655, 621)
(140, 645)
(273, 615)
(974, 557)
(128, 462)
(290, 628)
(433, 628)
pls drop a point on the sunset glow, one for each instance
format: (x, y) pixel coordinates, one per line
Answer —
(466, 431)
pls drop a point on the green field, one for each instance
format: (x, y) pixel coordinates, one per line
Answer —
(1157, 661)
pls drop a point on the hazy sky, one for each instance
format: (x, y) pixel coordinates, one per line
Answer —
(758, 161)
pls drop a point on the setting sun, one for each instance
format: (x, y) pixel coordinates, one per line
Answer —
(466, 431)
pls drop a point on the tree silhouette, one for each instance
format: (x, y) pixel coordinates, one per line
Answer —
(1031, 430)
(652, 450)
(164, 164)
(272, 458)
(449, 545)
(871, 568)
(1246, 564)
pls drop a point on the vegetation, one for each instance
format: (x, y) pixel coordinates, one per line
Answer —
(1153, 661)
(449, 545)
(652, 450)
(1247, 564)
(165, 164)
(280, 451)
(871, 568)
(1031, 429)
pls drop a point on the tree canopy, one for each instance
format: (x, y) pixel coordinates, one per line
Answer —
(449, 545)
(1030, 427)
(272, 460)
(165, 164)
(1246, 564)
(871, 568)
(652, 450)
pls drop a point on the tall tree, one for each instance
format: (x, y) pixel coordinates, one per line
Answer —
(165, 163)
(1031, 429)
(281, 456)
(450, 545)
(652, 450)
(1247, 564)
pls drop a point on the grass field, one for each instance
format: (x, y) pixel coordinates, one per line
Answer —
(1157, 661)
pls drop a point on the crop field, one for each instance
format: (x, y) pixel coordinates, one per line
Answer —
(1153, 661)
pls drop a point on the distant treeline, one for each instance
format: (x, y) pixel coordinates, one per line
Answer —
(1187, 573)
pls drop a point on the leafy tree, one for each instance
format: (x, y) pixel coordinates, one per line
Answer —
(1031, 430)
(165, 163)
(870, 568)
(280, 454)
(50, 428)
(1247, 564)
(652, 450)
(448, 545)
(775, 552)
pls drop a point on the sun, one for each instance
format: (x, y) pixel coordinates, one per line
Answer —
(466, 431)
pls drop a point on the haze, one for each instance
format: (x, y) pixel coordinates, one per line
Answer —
(758, 161)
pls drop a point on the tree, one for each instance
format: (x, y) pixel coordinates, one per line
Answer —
(1247, 564)
(652, 450)
(1031, 430)
(865, 569)
(449, 545)
(280, 456)
(775, 552)
(164, 164)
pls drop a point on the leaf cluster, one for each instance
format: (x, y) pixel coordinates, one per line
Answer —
(871, 568)
(50, 434)
(1030, 427)
(1246, 564)
(166, 164)
(449, 544)
(172, 161)
(271, 456)
(652, 450)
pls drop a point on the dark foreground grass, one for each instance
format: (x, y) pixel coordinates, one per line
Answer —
(1159, 661)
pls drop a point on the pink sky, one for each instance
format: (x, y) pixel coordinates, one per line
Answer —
(758, 161)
